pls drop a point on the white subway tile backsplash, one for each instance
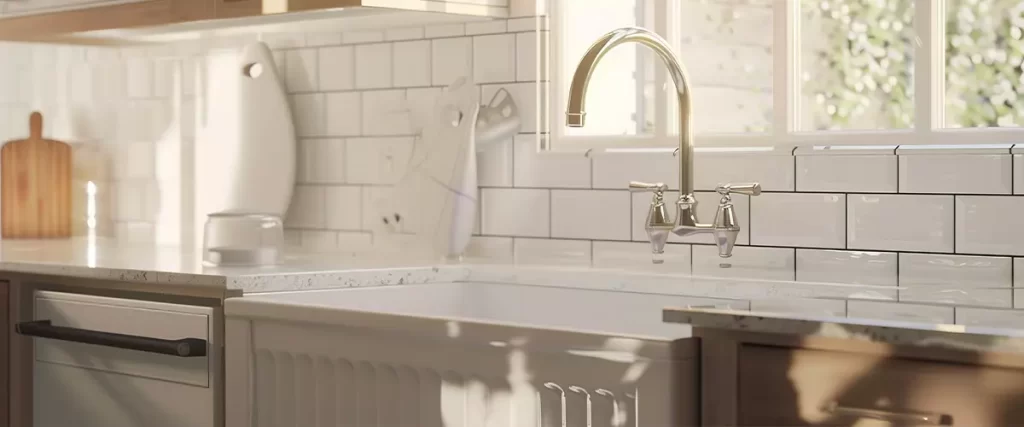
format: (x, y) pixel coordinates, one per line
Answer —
(900, 311)
(344, 208)
(319, 241)
(548, 169)
(494, 164)
(283, 40)
(527, 97)
(586, 214)
(376, 160)
(616, 170)
(486, 27)
(552, 252)
(856, 267)
(900, 222)
(309, 113)
(847, 173)
(531, 57)
(809, 306)
(490, 248)
(972, 280)
(516, 212)
(321, 161)
(953, 173)
(139, 73)
(344, 114)
(637, 257)
(1018, 174)
(307, 208)
(990, 318)
(421, 103)
(410, 33)
(376, 201)
(1018, 282)
(385, 112)
(527, 24)
(362, 36)
(804, 220)
(322, 39)
(412, 63)
(990, 225)
(452, 59)
(301, 70)
(746, 262)
(774, 172)
(494, 58)
(355, 241)
(446, 30)
(373, 66)
(337, 68)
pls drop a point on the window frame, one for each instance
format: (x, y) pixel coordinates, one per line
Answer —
(929, 101)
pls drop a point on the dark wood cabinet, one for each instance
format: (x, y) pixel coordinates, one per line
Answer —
(762, 379)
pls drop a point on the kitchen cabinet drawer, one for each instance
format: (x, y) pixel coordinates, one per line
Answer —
(92, 385)
(796, 387)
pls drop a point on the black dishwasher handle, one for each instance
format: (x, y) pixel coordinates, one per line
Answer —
(185, 347)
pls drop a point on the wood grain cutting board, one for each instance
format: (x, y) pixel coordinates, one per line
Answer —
(35, 186)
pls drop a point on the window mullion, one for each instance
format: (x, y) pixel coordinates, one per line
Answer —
(664, 115)
(929, 105)
(786, 68)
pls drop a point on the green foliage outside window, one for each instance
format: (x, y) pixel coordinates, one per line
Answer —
(869, 61)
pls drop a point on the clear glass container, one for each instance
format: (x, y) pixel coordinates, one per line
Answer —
(243, 240)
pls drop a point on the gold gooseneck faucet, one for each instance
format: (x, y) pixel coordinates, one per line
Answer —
(724, 228)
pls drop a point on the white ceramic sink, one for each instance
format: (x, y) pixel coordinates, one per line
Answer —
(593, 311)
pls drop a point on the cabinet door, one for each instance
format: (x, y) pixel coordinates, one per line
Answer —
(5, 346)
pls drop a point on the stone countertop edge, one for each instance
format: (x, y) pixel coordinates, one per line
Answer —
(956, 337)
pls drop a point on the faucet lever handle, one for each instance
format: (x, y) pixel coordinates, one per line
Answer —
(640, 187)
(750, 189)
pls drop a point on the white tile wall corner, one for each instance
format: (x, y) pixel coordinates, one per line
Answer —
(552, 252)
(900, 222)
(490, 248)
(373, 66)
(988, 317)
(412, 63)
(847, 173)
(337, 68)
(959, 174)
(532, 56)
(638, 257)
(344, 111)
(344, 210)
(810, 306)
(494, 58)
(548, 169)
(707, 206)
(307, 208)
(969, 280)
(616, 170)
(990, 225)
(774, 172)
(452, 58)
(901, 312)
(857, 267)
(803, 220)
(1018, 174)
(321, 161)
(746, 262)
(301, 70)
(586, 214)
(515, 212)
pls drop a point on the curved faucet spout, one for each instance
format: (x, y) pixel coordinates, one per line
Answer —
(575, 116)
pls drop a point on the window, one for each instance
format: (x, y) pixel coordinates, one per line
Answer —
(776, 72)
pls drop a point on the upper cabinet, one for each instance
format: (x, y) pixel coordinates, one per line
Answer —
(63, 20)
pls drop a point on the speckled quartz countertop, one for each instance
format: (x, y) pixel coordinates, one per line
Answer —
(957, 337)
(167, 265)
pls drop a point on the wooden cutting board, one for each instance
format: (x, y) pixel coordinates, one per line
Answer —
(35, 186)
